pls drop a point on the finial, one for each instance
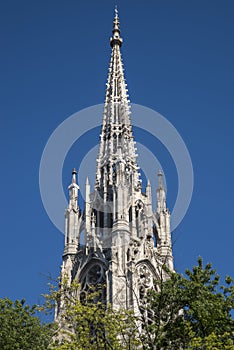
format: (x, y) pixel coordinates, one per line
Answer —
(74, 173)
(116, 12)
(148, 183)
(116, 40)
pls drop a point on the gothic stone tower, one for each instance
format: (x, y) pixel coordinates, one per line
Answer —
(118, 241)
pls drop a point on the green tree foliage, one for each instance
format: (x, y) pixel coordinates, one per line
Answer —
(20, 329)
(184, 312)
(192, 312)
(91, 324)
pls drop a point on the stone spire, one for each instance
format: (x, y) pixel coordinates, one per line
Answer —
(164, 244)
(73, 191)
(116, 136)
(118, 241)
(72, 217)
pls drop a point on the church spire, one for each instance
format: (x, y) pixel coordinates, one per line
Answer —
(111, 243)
(116, 134)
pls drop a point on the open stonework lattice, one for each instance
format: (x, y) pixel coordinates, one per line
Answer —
(119, 241)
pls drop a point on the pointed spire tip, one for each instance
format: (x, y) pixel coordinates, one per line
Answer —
(160, 173)
(74, 173)
(116, 12)
(116, 39)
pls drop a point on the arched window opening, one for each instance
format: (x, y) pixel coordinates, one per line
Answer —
(93, 284)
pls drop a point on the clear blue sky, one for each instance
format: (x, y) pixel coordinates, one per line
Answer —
(179, 59)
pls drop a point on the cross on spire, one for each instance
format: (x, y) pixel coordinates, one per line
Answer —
(116, 12)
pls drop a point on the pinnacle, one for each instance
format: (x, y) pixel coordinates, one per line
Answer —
(160, 180)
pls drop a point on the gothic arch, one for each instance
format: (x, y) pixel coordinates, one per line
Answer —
(150, 266)
(145, 273)
(93, 278)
